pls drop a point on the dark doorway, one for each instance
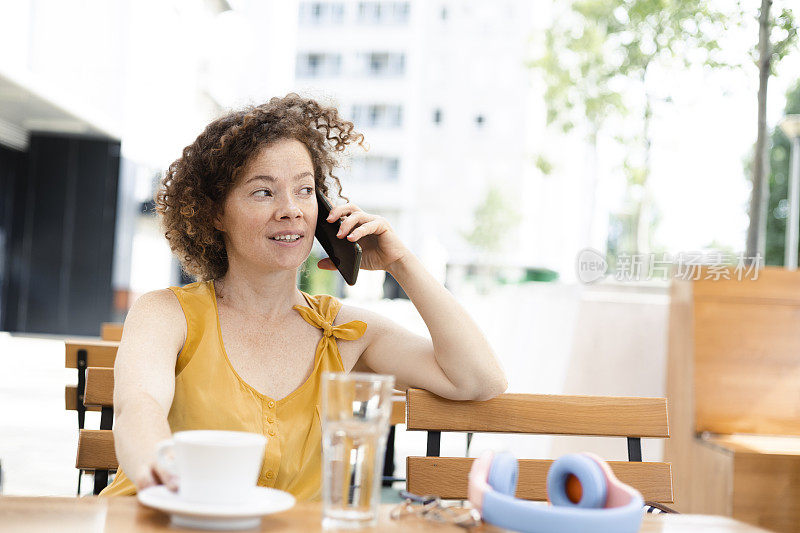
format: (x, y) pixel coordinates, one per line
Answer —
(59, 234)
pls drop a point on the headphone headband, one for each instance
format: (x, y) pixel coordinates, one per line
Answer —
(604, 504)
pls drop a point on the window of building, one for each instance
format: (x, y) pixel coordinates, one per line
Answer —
(369, 12)
(355, 114)
(375, 168)
(378, 115)
(337, 13)
(319, 13)
(400, 12)
(437, 116)
(315, 65)
(383, 12)
(396, 116)
(379, 64)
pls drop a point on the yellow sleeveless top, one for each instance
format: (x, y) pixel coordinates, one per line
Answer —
(209, 394)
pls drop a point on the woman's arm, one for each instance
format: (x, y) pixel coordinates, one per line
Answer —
(144, 384)
(459, 346)
(457, 362)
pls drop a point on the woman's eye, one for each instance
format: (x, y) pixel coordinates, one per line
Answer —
(309, 189)
(266, 192)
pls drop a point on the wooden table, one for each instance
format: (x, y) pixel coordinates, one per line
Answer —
(123, 515)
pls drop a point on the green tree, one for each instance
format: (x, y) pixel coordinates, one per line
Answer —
(599, 53)
(494, 218)
(779, 185)
(776, 36)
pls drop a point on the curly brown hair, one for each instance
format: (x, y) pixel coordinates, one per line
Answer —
(195, 186)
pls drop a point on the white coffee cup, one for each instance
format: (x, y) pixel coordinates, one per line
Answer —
(215, 467)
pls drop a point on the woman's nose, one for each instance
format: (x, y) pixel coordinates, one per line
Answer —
(288, 209)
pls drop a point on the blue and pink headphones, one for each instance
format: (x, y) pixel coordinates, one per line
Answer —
(585, 493)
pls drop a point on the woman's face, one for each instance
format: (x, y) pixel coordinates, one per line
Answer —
(270, 214)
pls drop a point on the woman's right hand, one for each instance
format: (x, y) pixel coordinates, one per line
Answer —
(154, 474)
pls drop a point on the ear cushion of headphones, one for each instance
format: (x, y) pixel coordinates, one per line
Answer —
(503, 473)
(594, 485)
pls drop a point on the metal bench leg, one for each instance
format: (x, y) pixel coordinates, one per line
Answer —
(106, 417)
(100, 481)
(434, 443)
(79, 407)
(82, 362)
(388, 460)
(635, 449)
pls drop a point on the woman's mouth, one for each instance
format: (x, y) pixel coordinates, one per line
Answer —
(287, 240)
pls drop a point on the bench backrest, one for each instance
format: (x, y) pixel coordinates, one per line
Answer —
(632, 418)
(111, 331)
(96, 451)
(81, 354)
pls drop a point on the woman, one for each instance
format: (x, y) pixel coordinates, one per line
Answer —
(243, 348)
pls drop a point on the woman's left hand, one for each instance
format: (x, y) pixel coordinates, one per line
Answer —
(380, 245)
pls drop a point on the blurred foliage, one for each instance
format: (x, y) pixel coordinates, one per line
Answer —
(596, 48)
(314, 280)
(780, 158)
(597, 54)
(494, 218)
(783, 38)
(544, 165)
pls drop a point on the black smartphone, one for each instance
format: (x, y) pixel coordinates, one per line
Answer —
(346, 255)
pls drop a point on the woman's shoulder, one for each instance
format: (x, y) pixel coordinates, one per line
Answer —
(377, 323)
(155, 314)
(162, 303)
(348, 313)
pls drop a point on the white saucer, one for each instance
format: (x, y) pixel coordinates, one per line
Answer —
(245, 515)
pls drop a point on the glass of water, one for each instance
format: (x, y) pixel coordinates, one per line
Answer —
(355, 415)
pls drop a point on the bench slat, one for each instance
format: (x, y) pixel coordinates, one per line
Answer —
(99, 387)
(98, 353)
(540, 414)
(96, 450)
(111, 331)
(71, 402)
(447, 477)
(398, 411)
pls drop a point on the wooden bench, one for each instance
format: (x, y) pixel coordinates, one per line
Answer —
(81, 354)
(96, 447)
(111, 331)
(631, 418)
(733, 383)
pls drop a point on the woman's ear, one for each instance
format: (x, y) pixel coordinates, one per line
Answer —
(217, 221)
